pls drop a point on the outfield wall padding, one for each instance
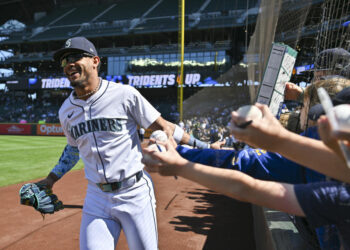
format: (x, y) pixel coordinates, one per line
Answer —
(16, 129)
(47, 129)
(51, 129)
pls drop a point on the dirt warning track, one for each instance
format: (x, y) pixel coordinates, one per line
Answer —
(189, 217)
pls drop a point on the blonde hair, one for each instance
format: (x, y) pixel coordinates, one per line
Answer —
(290, 121)
(284, 119)
(332, 86)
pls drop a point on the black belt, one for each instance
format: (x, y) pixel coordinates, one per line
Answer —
(128, 182)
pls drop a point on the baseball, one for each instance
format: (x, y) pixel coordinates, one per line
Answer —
(342, 114)
(154, 147)
(159, 135)
(248, 112)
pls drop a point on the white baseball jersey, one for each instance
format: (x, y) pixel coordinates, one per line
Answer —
(104, 128)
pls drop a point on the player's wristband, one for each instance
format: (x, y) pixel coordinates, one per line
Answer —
(198, 143)
(68, 159)
(178, 134)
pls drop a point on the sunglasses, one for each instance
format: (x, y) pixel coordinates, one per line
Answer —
(71, 58)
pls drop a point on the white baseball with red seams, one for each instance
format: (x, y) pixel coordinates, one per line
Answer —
(154, 147)
(248, 112)
(342, 114)
(159, 135)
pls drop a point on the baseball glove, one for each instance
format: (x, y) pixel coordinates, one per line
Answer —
(40, 197)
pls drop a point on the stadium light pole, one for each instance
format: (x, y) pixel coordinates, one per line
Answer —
(180, 77)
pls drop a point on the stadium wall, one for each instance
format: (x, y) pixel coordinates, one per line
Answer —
(48, 129)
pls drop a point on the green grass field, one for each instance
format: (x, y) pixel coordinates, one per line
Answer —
(23, 158)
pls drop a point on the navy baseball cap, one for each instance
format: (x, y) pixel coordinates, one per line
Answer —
(332, 59)
(76, 44)
(343, 97)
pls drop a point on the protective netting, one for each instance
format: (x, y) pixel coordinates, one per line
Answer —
(333, 39)
(310, 27)
(334, 29)
(278, 21)
(307, 26)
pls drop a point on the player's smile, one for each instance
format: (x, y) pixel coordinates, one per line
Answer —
(74, 73)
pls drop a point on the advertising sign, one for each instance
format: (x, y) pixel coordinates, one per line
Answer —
(19, 83)
(49, 83)
(49, 129)
(15, 129)
(137, 81)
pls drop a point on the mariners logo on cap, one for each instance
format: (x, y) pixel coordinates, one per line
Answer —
(92, 50)
(68, 43)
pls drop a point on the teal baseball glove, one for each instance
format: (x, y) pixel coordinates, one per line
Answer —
(40, 197)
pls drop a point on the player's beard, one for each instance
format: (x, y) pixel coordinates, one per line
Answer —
(79, 83)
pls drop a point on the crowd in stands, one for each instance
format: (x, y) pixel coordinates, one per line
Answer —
(207, 114)
(26, 109)
(210, 126)
(213, 125)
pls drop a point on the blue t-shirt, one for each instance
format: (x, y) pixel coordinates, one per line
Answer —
(257, 163)
(327, 203)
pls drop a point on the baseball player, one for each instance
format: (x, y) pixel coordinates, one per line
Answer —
(100, 120)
